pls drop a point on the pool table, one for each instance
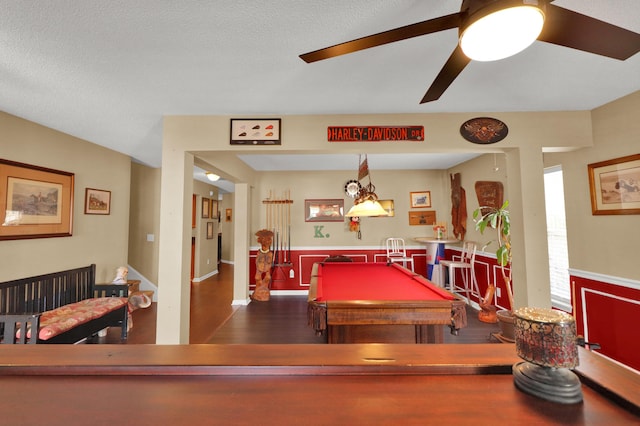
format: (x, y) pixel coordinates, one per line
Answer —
(359, 302)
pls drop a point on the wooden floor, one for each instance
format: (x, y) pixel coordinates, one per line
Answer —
(282, 319)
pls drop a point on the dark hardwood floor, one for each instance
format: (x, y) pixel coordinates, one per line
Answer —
(282, 319)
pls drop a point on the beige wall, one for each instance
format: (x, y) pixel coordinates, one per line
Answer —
(144, 220)
(206, 255)
(99, 239)
(206, 138)
(389, 184)
(226, 227)
(480, 169)
(606, 244)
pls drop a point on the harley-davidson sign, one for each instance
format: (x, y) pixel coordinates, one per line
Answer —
(375, 133)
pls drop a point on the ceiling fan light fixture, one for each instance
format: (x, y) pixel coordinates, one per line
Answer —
(212, 176)
(490, 35)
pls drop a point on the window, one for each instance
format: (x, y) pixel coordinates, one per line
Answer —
(557, 239)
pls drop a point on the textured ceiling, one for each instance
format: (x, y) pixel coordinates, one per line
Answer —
(108, 71)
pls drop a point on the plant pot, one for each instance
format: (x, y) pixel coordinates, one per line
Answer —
(506, 321)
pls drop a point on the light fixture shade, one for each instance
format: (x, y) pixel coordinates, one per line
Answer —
(367, 208)
(212, 176)
(492, 35)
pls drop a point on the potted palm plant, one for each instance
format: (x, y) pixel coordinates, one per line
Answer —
(499, 220)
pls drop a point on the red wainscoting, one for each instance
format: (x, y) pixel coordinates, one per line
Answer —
(487, 271)
(301, 262)
(608, 313)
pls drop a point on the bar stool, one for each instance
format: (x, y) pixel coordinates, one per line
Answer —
(466, 265)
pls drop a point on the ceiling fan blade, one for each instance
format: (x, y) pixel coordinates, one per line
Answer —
(454, 66)
(408, 31)
(567, 28)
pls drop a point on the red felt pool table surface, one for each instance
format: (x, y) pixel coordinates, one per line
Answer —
(379, 303)
(374, 281)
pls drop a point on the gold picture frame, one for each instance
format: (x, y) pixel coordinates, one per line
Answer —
(324, 210)
(615, 186)
(97, 201)
(206, 208)
(421, 199)
(209, 230)
(214, 209)
(38, 202)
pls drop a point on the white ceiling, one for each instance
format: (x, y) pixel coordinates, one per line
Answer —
(109, 71)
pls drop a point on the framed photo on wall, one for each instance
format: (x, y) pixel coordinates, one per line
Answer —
(615, 186)
(324, 210)
(255, 131)
(214, 209)
(206, 208)
(209, 230)
(97, 201)
(38, 202)
(420, 199)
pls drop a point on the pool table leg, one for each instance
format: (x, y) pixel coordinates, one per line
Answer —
(429, 333)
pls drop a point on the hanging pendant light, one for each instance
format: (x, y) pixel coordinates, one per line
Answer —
(366, 203)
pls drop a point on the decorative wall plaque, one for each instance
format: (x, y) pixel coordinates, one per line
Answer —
(375, 133)
(490, 194)
(255, 131)
(484, 130)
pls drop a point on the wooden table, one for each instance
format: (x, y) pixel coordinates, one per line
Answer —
(293, 384)
(358, 302)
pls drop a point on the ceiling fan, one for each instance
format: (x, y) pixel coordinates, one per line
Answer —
(551, 24)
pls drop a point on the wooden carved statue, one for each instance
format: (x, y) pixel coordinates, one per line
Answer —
(458, 208)
(487, 310)
(264, 259)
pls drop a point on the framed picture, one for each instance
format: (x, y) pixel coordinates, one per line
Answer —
(255, 131)
(97, 201)
(422, 217)
(227, 215)
(209, 230)
(214, 209)
(38, 202)
(329, 210)
(388, 206)
(206, 208)
(615, 186)
(420, 199)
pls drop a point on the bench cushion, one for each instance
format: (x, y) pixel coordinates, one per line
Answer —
(66, 317)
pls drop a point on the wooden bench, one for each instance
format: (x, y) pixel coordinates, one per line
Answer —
(27, 305)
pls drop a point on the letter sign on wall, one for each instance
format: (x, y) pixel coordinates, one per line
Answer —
(375, 133)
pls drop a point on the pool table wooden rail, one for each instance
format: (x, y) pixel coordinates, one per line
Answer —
(269, 384)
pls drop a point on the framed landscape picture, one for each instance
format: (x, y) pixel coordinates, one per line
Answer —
(97, 201)
(615, 186)
(38, 202)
